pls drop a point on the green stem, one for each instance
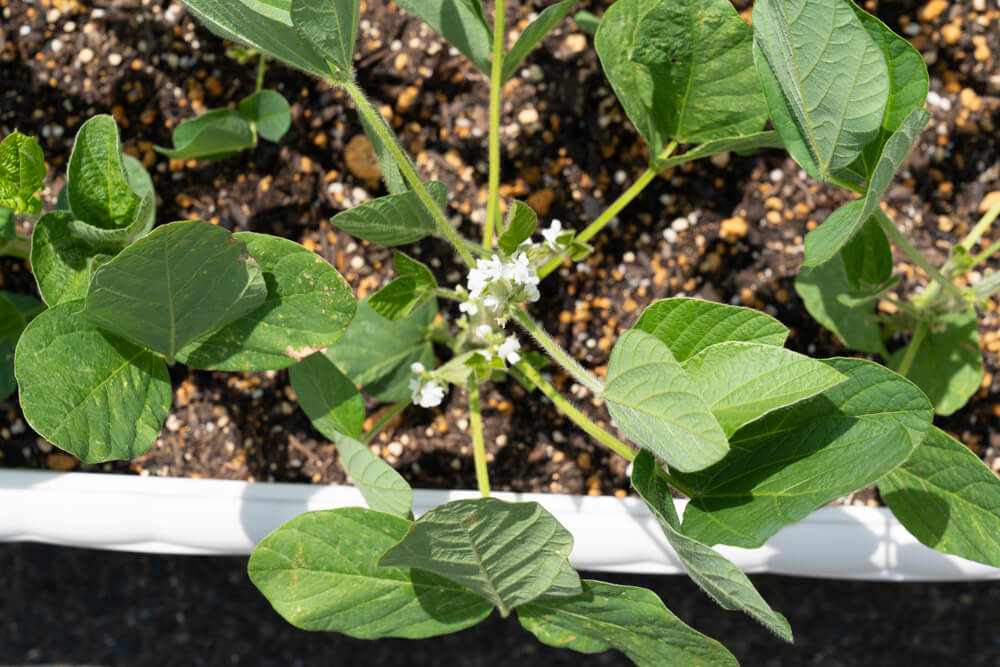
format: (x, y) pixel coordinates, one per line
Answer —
(386, 418)
(388, 137)
(907, 308)
(559, 355)
(911, 349)
(986, 254)
(889, 227)
(261, 68)
(577, 417)
(496, 88)
(984, 223)
(478, 444)
(683, 488)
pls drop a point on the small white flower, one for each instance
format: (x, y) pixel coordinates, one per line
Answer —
(468, 307)
(483, 331)
(552, 234)
(428, 394)
(508, 350)
(416, 367)
(477, 281)
(521, 271)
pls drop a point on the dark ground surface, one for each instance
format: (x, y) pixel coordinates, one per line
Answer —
(80, 606)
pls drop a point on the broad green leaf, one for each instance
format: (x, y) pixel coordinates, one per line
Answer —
(840, 227)
(320, 572)
(533, 34)
(330, 400)
(947, 498)
(269, 112)
(376, 353)
(826, 81)
(868, 257)
(63, 262)
(821, 289)
(329, 26)
(793, 461)
(393, 219)
(174, 284)
(22, 173)
(11, 325)
(461, 22)
(414, 287)
(948, 364)
(97, 184)
(632, 620)
(307, 308)
(688, 326)
(265, 26)
(658, 406)
(520, 225)
(510, 553)
(682, 69)
(714, 574)
(383, 488)
(587, 21)
(744, 381)
(91, 393)
(142, 185)
(214, 135)
(8, 225)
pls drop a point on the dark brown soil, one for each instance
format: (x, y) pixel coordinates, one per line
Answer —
(728, 229)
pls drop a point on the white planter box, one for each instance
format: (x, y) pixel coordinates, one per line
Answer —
(194, 516)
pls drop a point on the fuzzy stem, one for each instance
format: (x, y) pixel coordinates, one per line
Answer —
(496, 89)
(986, 254)
(889, 227)
(385, 419)
(911, 349)
(984, 223)
(478, 444)
(261, 67)
(559, 355)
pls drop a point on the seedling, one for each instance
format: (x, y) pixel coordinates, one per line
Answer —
(757, 436)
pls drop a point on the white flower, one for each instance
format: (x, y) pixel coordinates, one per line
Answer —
(427, 393)
(493, 284)
(468, 307)
(483, 331)
(508, 350)
(521, 271)
(416, 367)
(552, 234)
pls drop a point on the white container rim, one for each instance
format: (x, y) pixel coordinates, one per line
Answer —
(225, 517)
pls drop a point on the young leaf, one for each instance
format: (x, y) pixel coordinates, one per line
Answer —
(97, 184)
(178, 282)
(11, 325)
(214, 135)
(744, 381)
(383, 488)
(840, 227)
(795, 460)
(510, 553)
(868, 257)
(632, 620)
(142, 185)
(461, 22)
(714, 574)
(22, 173)
(330, 27)
(587, 21)
(656, 403)
(822, 289)
(264, 25)
(682, 69)
(269, 112)
(947, 498)
(533, 34)
(320, 572)
(330, 400)
(948, 364)
(687, 326)
(307, 308)
(826, 81)
(393, 219)
(414, 287)
(62, 261)
(377, 353)
(521, 223)
(93, 394)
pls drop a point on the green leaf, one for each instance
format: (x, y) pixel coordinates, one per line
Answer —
(11, 325)
(392, 220)
(687, 326)
(821, 289)
(376, 353)
(414, 287)
(320, 572)
(840, 227)
(714, 574)
(307, 308)
(330, 400)
(383, 488)
(587, 21)
(629, 619)
(868, 257)
(269, 112)
(826, 81)
(947, 498)
(510, 553)
(393, 177)
(8, 224)
(656, 403)
(948, 364)
(178, 282)
(63, 262)
(744, 381)
(461, 22)
(142, 185)
(795, 460)
(264, 25)
(533, 34)
(91, 393)
(97, 184)
(330, 27)
(682, 69)
(22, 173)
(520, 225)
(214, 135)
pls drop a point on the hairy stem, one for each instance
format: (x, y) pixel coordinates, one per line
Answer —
(261, 68)
(911, 349)
(478, 444)
(901, 242)
(984, 223)
(496, 89)
(986, 254)
(385, 419)
(556, 353)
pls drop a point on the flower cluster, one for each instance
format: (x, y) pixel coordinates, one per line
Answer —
(495, 284)
(502, 348)
(426, 391)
